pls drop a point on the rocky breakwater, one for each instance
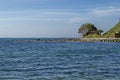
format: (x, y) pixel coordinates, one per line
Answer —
(74, 40)
(100, 39)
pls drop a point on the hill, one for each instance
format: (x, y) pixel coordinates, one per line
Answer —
(115, 29)
(113, 32)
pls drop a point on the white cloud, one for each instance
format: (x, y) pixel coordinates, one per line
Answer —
(106, 11)
(36, 15)
(59, 13)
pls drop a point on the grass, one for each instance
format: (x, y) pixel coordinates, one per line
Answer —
(115, 29)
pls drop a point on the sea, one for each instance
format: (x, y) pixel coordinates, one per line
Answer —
(59, 60)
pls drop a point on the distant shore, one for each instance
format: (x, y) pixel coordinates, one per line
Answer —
(74, 40)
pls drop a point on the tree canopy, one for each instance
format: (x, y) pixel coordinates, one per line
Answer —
(89, 28)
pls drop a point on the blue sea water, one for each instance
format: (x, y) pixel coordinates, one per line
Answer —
(59, 61)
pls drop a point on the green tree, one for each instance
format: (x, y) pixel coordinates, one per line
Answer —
(99, 31)
(87, 29)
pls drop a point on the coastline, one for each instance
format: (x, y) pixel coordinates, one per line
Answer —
(74, 40)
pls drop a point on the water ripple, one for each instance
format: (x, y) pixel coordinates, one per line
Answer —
(59, 61)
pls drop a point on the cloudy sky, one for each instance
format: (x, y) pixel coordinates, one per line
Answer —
(55, 18)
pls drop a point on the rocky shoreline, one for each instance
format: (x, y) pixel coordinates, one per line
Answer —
(74, 40)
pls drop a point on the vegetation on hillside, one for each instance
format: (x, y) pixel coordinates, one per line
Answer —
(113, 31)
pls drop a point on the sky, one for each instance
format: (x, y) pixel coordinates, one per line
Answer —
(55, 18)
